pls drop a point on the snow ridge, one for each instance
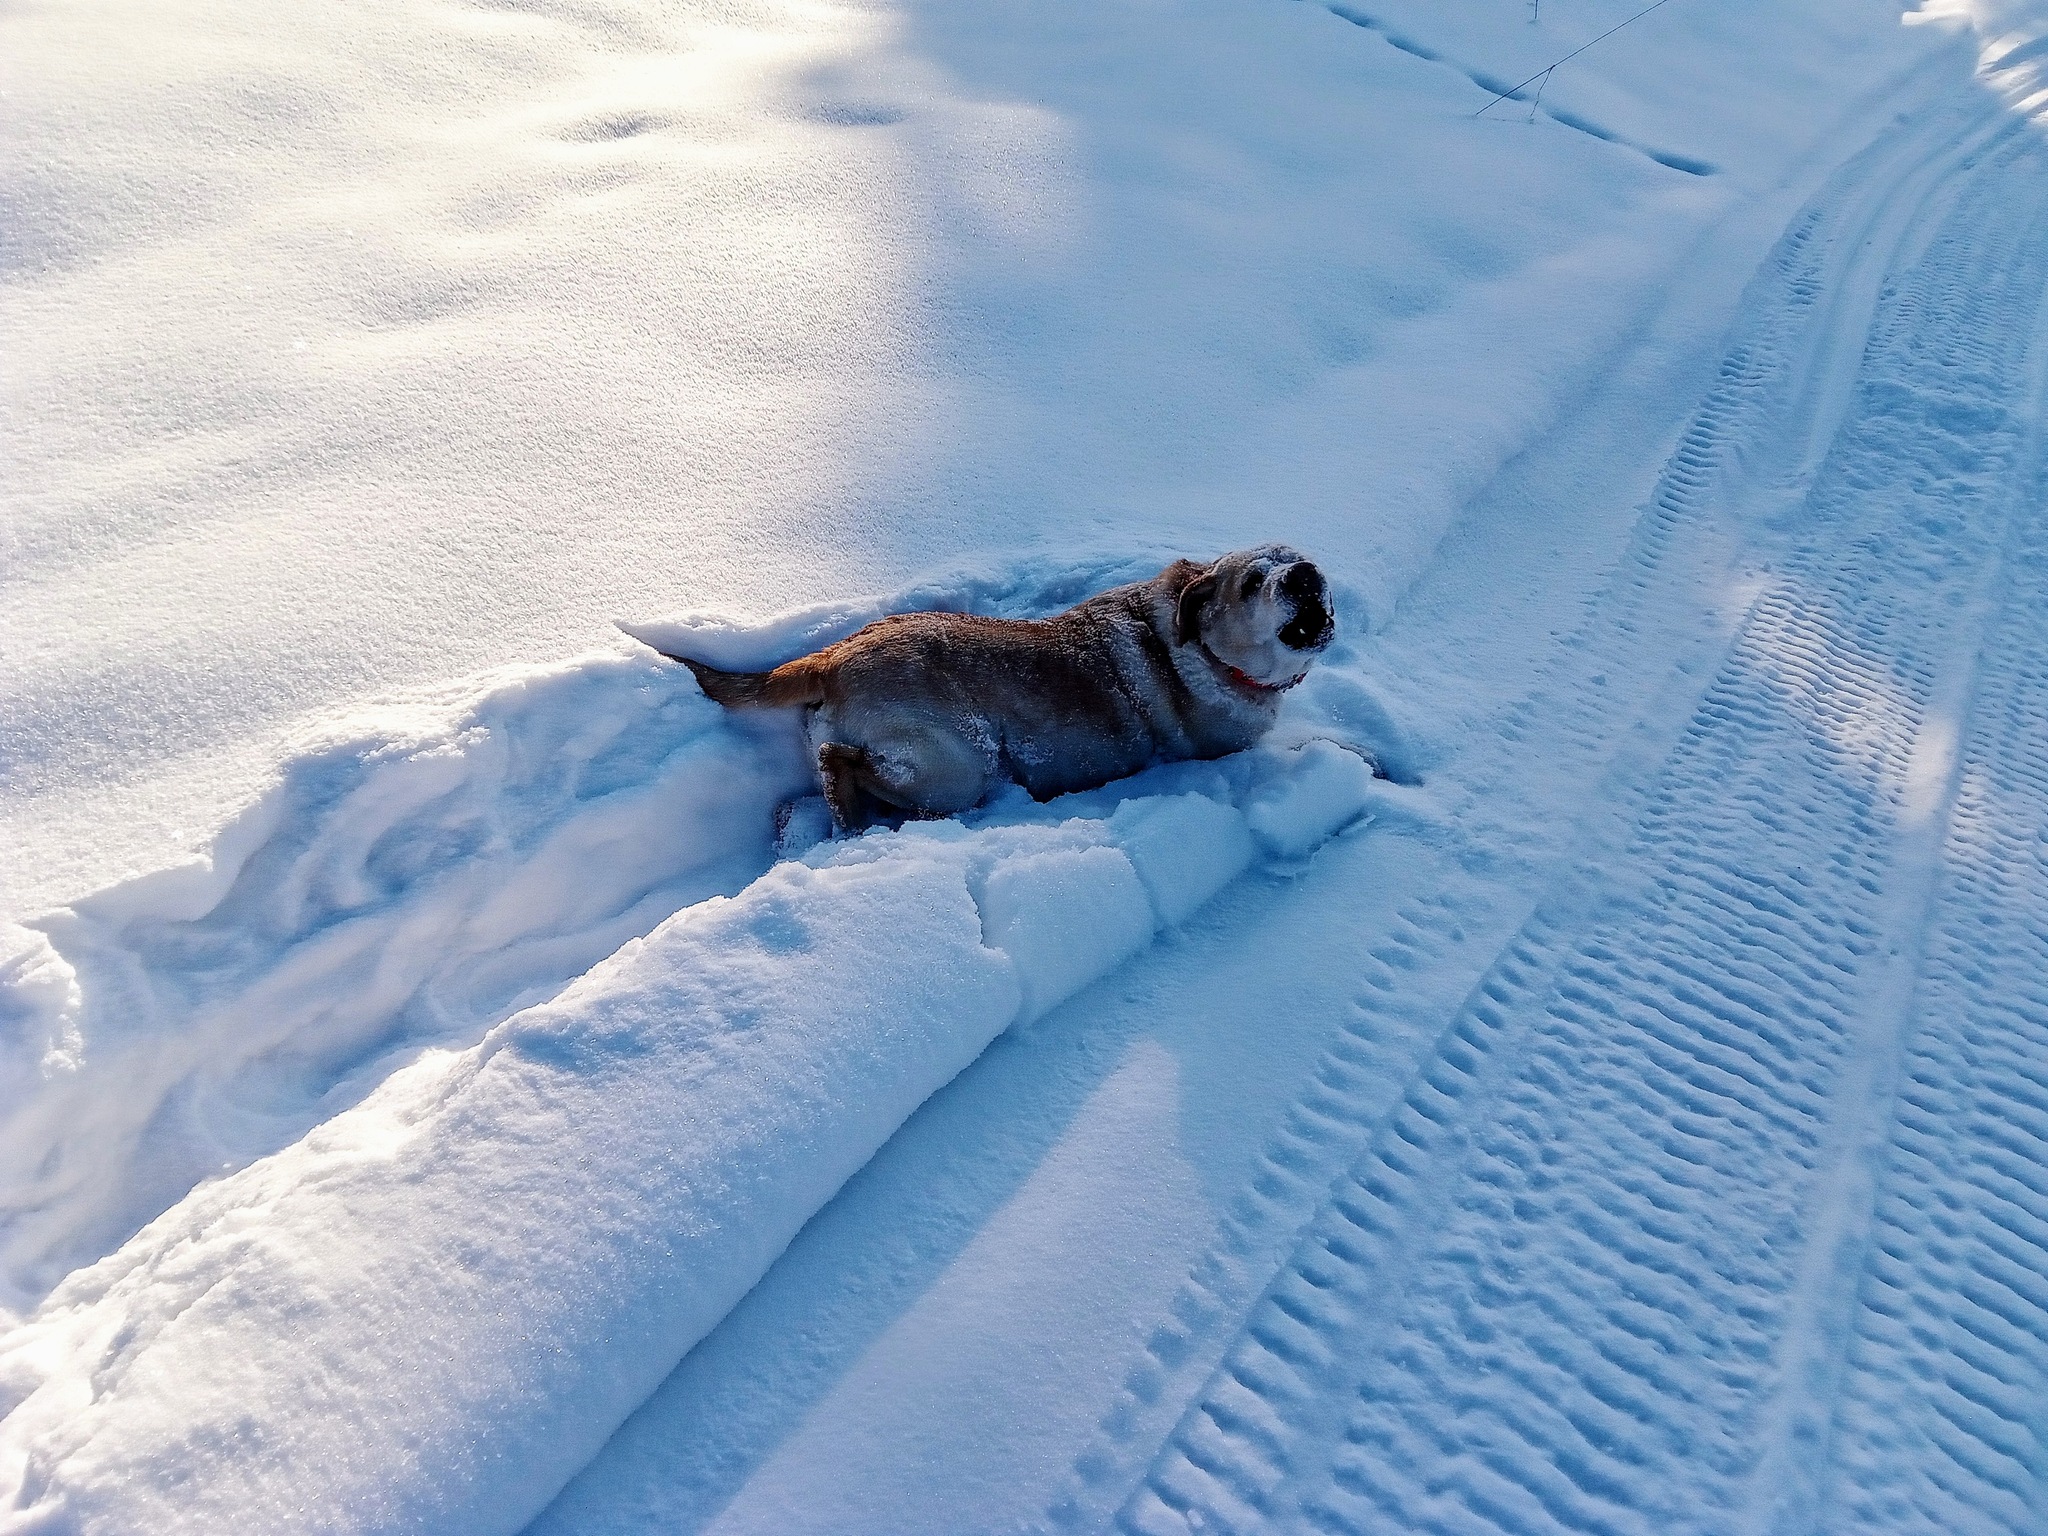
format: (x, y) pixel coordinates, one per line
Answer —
(693, 1100)
(407, 883)
(437, 1305)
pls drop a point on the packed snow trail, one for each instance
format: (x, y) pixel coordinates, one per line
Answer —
(1944, 1378)
(1610, 1265)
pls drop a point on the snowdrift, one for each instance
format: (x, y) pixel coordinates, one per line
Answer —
(436, 1306)
(406, 884)
(432, 1310)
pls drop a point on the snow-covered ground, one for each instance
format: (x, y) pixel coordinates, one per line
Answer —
(428, 1102)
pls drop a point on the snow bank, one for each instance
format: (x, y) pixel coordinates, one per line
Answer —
(408, 882)
(434, 1308)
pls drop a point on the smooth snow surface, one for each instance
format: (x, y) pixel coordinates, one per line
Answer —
(434, 1098)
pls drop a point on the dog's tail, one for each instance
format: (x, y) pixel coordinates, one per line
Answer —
(794, 682)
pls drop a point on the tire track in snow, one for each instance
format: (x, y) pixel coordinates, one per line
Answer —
(1357, 1074)
(1393, 1046)
(1537, 1269)
(1393, 1039)
(1789, 1484)
(1939, 1426)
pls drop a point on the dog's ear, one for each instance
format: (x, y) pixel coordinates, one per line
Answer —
(1187, 612)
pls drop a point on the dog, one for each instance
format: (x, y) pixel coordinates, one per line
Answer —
(923, 714)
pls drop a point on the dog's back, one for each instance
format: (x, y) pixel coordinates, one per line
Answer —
(906, 651)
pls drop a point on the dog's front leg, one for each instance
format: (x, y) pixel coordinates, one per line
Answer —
(839, 769)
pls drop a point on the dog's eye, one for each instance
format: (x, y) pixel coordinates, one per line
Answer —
(1253, 580)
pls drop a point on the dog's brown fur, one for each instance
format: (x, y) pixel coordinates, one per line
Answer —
(923, 713)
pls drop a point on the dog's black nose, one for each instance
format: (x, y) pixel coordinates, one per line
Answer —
(1302, 580)
(1311, 627)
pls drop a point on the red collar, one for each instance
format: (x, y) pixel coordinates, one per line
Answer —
(1246, 679)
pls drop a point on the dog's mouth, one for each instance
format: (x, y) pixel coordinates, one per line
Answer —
(1312, 626)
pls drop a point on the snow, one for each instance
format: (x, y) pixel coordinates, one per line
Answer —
(636, 1151)
(406, 882)
(1328, 788)
(433, 1096)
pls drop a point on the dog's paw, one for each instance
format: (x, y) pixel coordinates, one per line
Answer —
(800, 825)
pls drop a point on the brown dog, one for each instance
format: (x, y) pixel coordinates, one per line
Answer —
(922, 714)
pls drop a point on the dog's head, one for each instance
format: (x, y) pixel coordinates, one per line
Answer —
(1263, 613)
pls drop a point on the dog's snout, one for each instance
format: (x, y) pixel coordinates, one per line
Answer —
(1312, 626)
